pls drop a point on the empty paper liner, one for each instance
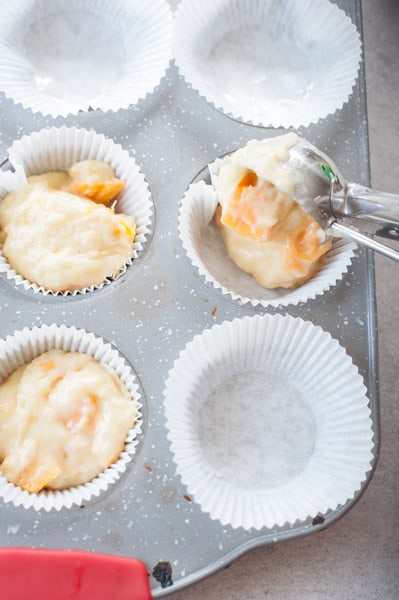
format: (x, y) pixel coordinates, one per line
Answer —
(268, 422)
(268, 63)
(103, 55)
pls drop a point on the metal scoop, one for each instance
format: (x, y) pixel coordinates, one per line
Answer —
(341, 208)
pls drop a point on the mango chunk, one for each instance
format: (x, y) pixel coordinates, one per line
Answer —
(32, 478)
(101, 192)
(95, 180)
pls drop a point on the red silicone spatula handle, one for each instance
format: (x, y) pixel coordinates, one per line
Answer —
(35, 574)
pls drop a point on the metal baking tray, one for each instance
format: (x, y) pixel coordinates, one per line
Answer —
(159, 305)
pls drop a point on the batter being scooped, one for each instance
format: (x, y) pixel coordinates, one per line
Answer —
(266, 232)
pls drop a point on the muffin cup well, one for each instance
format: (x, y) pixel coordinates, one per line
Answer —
(204, 247)
(122, 50)
(56, 149)
(25, 345)
(268, 422)
(268, 63)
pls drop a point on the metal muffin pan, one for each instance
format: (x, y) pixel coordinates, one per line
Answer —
(152, 311)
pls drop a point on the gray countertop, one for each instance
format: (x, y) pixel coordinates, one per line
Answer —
(358, 556)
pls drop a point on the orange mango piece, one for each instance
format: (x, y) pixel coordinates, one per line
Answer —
(84, 418)
(102, 192)
(124, 227)
(240, 215)
(35, 476)
(49, 364)
(305, 243)
(250, 179)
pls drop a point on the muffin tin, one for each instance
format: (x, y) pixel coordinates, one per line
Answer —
(158, 305)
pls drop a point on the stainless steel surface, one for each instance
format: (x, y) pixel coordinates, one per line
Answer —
(351, 233)
(348, 210)
(376, 212)
(152, 311)
(317, 179)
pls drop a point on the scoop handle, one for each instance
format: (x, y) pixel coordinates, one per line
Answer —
(375, 212)
(365, 240)
(70, 575)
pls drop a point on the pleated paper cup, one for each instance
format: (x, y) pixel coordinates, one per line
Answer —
(21, 348)
(268, 422)
(56, 149)
(205, 249)
(265, 62)
(64, 56)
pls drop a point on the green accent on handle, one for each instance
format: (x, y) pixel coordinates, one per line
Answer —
(327, 170)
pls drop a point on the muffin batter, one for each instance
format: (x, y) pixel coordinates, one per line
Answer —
(58, 231)
(267, 233)
(64, 418)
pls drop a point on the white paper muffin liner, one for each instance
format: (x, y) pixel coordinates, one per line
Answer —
(56, 149)
(268, 63)
(25, 345)
(105, 55)
(205, 249)
(268, 422)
